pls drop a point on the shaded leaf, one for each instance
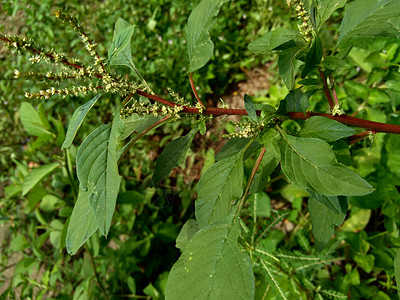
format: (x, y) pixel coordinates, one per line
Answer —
(277, 39)
(325, 129)
(323, 221)
(82, 224)
(234, 145)
(397, 270)
(313, 57)
(36, 175)
(212, 266)
(97, 170)
(286, 66)
(220, 185)
(77, 120)
(136, 123)
(318, 170)
(199, 45)
(251, 110)
(297, 101)
(369, 18)
(172, 156)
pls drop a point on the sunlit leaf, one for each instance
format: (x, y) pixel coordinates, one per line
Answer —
(325, 129)
(31, 120)
(318, 170)
(36, 175)
(277, 39)
(325, 8)
(77, 120)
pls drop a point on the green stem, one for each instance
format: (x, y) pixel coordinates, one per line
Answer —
(100, 283)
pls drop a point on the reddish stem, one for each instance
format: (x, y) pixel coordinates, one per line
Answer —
(326, 89)
(334, 91)
(360, 136)
(194, 90)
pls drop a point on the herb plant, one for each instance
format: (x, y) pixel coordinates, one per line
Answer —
(315, 139)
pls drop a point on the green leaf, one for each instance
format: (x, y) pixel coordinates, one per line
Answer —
(369, 18)
(310, 163)
(297, 101)
(235, 145)
(36, 175)
(77, 120)
(313, 57)
(97, 170)
(119, 52)
(397, 271)
(325, 8)
(392, 147)
(82, 224)
(31, 120)
(212, 266)
(286, 66)
(323, 221)
(172, 156)
(220, 185)
(334, 203)
(136, 123)
(334, 63)
(199, 45)
(277, 39)
(248, 102)
(325, 129)
(187, 231)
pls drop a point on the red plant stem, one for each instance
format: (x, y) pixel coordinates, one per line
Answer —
(360, 136)
(326, 89)
(334, 91)
(352, 121)
(194, 90)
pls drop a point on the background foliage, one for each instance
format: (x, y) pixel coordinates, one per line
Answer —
(39, 187)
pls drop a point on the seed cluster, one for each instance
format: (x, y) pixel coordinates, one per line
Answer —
(306, 28)
(248, 129)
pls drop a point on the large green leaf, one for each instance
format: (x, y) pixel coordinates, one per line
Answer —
(187, 231)
(325, 8)
(369, 18)
(220, 185)
(199, 45)
(212, 267)
(77, 120)
(119, 52)
(297, 101)
(310, 163)
(97, 170)
(277, 39)
(31, 120)
(323, 220)
(82, 224)
(325, 129)
(172, 156)
(36, 175)
(286, 66)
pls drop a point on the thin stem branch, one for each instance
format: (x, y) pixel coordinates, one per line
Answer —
(253, 173)
(194, 90)
(100, 283)
(334, 94)
(326, 89)
(360, 136)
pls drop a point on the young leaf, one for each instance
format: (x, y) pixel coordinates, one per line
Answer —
(97, 170)
(297, 101)
(172, 156)
(199, 45)
(286, 66)
(119, 52)
(77, 120)
(325, 8)
(212, 266)
(82, 224)
(218, 187)
(325, 129)
(277, 39)
(310, 164)
(369, 18)
(136, 123)
(248, 102)
(31, 120)
(36, 175)
(323, 221)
